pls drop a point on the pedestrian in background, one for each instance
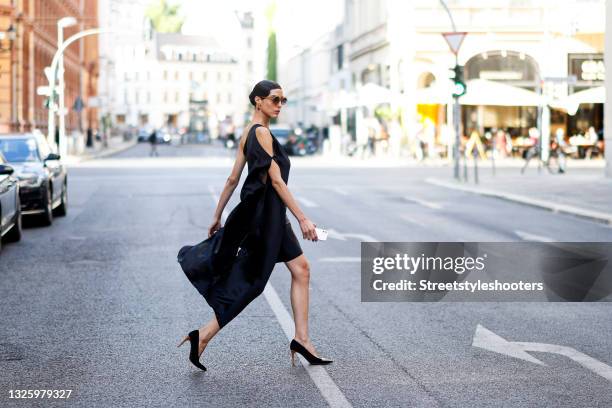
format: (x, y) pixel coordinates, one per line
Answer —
(153, 143)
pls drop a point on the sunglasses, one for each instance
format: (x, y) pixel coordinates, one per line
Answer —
(277, 99)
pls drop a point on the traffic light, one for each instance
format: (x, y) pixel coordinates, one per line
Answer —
(460, 87)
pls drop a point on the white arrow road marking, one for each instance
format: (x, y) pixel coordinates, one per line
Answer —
(425, 203)
(340, 259)
(526, 236)
(328, 388)
(488, 340)
(306, 202)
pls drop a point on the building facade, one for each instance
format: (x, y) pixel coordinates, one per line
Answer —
(29, 38)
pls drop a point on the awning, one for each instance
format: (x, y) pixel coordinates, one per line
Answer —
(571, 102)
(484, 92)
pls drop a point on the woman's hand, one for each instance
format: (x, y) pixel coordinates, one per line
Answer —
(308, 230)
(216, 224)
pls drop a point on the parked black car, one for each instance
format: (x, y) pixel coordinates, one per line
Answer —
(43, 180)
(10, 209)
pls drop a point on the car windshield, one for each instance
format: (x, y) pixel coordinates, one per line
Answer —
(19, 150)
(280, 133)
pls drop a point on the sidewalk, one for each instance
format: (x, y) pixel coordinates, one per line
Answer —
(115, 145)
(340, 160)
(584, 193)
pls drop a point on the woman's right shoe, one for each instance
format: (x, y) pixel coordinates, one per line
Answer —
(194, 340)
(296, 347)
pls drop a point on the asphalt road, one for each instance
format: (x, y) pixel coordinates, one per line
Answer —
(96, 303)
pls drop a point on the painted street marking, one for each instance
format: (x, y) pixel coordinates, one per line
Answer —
(306, 202)
(425, 203)
(317, 373)
(340, 259)
(412, 221)
(216, 200)
(526, 236)
(488, 340)
(328, 388)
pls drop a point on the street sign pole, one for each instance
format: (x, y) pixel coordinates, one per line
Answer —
(454, 40)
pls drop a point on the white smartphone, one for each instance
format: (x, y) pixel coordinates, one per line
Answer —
(321, 233)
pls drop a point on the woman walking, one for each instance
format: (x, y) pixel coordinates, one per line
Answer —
(235, 262)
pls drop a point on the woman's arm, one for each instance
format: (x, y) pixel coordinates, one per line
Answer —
(308, 228)
(228, 189)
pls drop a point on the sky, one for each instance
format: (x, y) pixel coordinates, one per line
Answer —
(298, 22)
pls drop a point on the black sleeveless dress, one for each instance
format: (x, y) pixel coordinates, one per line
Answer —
(232, 267)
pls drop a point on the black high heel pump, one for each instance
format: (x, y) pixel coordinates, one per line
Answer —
(194, 340)
(296, 347)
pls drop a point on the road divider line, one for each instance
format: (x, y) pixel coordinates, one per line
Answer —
(340, 259)
(216, 200)
(306, 202)
(318, 374)
(412, 221)
(526, 236)
(424, 203)
(328, 388)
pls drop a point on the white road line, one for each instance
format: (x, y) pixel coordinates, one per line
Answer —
(306, 202)
(318, 374)
(488, 340)
(425, 203)
(526, 236)
(216, 200)
(340, 259)
(361, 237)
(412, 221)
(339, 191)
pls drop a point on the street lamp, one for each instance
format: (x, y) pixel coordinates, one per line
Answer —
(61, 24)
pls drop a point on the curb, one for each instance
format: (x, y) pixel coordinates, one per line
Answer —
(103, 153)
(592, 215)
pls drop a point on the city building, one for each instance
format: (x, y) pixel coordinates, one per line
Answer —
(193, 79)
(529, 64)
(28, 41)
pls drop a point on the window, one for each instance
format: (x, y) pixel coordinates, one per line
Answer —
(204, 76)
(176, 75)
(176, 97)
(165, 96)
(165, 75)
(229, 76)
(218, 76)
(229, 98)
(249, 42)
(190, 76)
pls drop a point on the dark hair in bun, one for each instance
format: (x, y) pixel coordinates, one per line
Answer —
(262, 89)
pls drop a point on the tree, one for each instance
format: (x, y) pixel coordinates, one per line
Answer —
(164, 17)
(272, 54)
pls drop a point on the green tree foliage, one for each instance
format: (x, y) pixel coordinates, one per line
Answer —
(164, 17)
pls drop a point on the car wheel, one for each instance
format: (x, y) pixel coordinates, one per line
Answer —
(62, 209)
(14, 235)
(47, 217)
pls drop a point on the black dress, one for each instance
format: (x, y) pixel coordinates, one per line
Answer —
(232, 267)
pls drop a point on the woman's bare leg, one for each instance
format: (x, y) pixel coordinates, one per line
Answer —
(206, 333)
(300, 282)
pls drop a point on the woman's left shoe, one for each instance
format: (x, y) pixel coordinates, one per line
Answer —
(194, 340)
(296, 347)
